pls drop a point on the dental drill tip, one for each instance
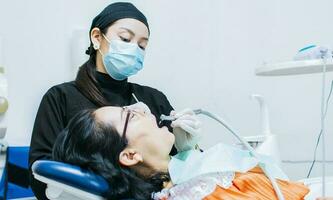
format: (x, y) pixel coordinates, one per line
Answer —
(197, 111)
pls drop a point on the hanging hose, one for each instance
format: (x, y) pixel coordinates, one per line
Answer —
(252, 152)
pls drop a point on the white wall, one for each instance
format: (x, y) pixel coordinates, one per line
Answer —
(201, 54)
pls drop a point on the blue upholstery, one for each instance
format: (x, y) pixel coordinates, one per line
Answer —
(71, 175)
(18, 155)
(15, 179)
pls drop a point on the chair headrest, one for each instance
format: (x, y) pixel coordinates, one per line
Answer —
(71, 175)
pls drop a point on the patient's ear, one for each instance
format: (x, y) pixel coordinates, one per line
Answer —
(130, 157)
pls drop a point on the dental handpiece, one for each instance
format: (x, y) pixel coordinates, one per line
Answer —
(172, 118)
(234, 133)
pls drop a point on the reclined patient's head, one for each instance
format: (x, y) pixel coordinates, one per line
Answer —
(143, 136)
(124, 146)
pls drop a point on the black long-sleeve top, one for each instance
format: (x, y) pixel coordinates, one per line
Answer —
(62, 102)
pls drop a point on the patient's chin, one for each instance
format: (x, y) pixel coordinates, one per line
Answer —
(166, 130)
(167, 134)
(171, 136)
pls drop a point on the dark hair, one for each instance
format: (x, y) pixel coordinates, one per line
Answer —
(95, 146)
(85, 78)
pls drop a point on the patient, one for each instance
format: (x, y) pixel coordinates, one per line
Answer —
(131, 152)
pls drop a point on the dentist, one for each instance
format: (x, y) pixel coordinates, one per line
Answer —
(119, 36)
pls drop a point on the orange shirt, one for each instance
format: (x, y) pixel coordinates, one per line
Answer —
(255, 185)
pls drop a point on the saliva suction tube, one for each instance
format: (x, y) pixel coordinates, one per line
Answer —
(233, 132)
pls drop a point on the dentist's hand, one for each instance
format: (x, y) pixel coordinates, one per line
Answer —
(139, 106)
(186, 128)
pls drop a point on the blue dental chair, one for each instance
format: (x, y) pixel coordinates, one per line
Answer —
(14, 183)
(69, 182)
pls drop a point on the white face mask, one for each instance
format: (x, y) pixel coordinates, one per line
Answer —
(123, 59)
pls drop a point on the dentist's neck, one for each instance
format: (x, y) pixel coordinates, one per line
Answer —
(99, 62)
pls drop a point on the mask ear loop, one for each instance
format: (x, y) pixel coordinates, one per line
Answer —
(99, 50)
(96, 46)
(106, 38)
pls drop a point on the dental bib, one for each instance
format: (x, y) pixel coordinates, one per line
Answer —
(220, 158)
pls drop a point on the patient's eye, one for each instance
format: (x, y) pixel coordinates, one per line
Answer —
(136, 114)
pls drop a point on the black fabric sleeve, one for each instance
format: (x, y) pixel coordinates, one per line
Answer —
(48, 123)
(166, 108)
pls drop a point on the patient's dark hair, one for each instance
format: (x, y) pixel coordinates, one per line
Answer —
(95, 146)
